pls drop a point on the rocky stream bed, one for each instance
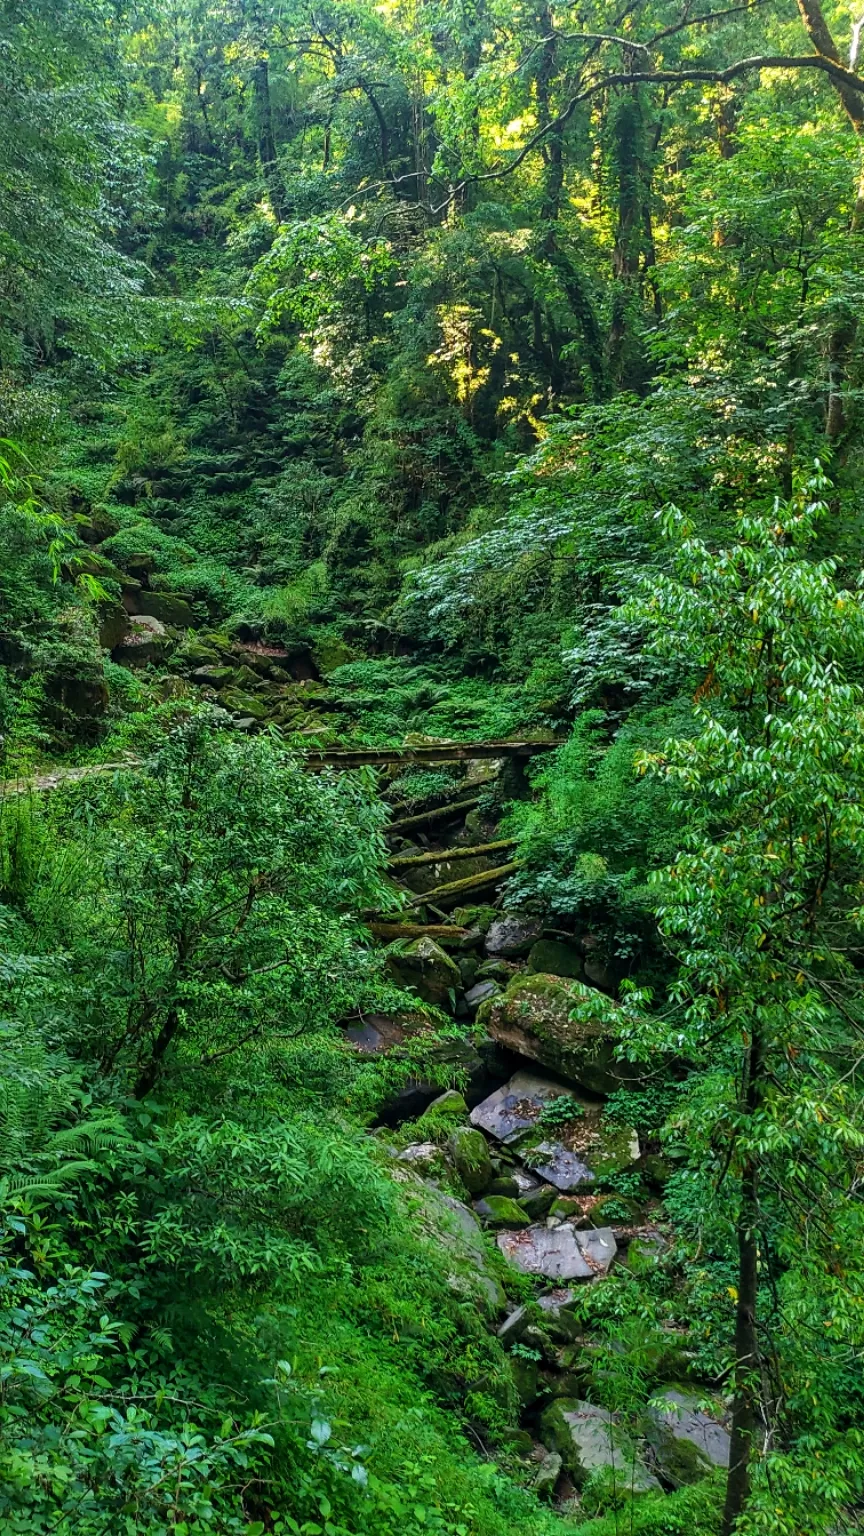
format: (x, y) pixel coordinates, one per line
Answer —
(527, 1158)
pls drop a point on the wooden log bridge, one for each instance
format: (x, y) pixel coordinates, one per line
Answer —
(434, 752)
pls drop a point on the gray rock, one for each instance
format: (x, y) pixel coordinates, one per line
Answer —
(512, 936)
(378, 1034)
(514, 1325)
(560, 1253)
(560, 1322)
(516, 1107)
(148, 622)
(481, 993)
(547, 1475)
(525, 1183)
(687, 1442)
(456, 1227)
(588, 1149)
(560, 1167)
(421, 1154)
(588, 1439)
(146, 641)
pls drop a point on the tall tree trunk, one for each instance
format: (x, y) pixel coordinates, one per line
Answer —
(149, 1073)
(266, 138)
(840, 341)
(572, 282)
(745, 1409)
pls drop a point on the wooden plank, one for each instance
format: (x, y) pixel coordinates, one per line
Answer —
(430, 818)
(447, 855)
(438, 752)
(452, 893)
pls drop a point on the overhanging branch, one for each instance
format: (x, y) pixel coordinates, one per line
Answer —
(837, 73)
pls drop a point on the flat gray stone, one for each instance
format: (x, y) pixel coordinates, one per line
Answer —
(147, 621)
(481, 993)
(556, 1165)
(515, 1108)
(560, 1253)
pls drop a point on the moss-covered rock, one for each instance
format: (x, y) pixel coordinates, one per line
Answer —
(505, 1184)
(172, 609)
(470, 1154)
(331, 652)
(502, 971)
(501, 1213)
(534, 1018)
(537, 1203)
(212, 675)
(241, 703)
(424, 966)
(552, 957)
(589, 1440)
(525, 1378)
(688, 1442)
(475, 917)
(446, 1111)
(192, 653)
(113, 622)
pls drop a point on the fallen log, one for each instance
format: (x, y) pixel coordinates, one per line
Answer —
(412, 861)
(391, 931)
(452, 893)
(429, 818)
(435, 752)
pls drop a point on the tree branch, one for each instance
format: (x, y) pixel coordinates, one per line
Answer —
(836, 72)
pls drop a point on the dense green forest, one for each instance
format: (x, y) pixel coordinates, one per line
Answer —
(432, 781)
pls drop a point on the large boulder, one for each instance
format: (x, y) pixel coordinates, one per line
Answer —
(560, 1253)
(574, 1153)
(424, 966)
(588, 1440)
(533, 1018)
(687, 1441)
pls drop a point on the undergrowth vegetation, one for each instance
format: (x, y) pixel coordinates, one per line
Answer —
(386, 375)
